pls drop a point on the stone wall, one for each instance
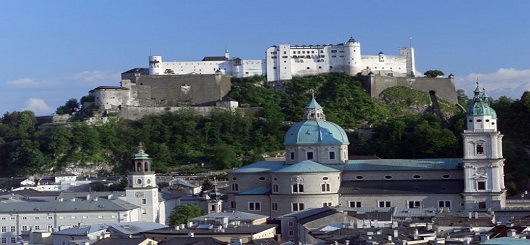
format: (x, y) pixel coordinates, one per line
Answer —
(443, 87)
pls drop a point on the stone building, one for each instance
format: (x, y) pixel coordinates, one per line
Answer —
(317, 172)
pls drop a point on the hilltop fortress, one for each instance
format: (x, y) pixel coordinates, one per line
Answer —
(202, 85)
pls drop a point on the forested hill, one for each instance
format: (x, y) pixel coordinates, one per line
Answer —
(401, 122)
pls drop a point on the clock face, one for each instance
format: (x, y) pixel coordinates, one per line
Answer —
(139, 194)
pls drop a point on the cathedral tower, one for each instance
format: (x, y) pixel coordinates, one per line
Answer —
(483, 161)
(142, 189)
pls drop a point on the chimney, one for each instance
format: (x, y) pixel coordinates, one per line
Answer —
(476, 215)
(416, 233)
(511, 233)
(470, 215)
(347, 242)
(396, 233)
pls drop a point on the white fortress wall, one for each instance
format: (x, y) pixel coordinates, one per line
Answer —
(197, 67)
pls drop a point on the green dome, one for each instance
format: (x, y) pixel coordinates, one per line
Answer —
(481, 105)
(315, 132)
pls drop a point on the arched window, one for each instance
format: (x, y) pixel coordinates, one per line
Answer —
(324, 187)
(275, 188)
(146, 166)
(138, 166)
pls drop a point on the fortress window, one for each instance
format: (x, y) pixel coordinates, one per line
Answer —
(416, 176)
(388, 177)
(298, 188)
(292, 155)
(297, 206)
(385, 204)
(261, 178)
(479, 120)
(325, 187)
(355, 204)
(414, 204)
(254, 206)
(480, 149)
(325, 178)
(481, 185)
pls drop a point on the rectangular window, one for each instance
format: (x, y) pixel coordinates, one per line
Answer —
(50, 217)
(24, 228)
(481, 185)
(292, 155)
(275, 188)
(36, 217)
(297, 207)
(13, 228)
(290, 224)
(254, 206)
(444, 204)
(233, 204)
(414, 204)
(4, 239)
(385, 204)
(291, 233)
(482, 205)
(298, 188)
(13, 240)
(235, 187)
(326, 204)
(355, 204)
(331, 155)
(480, 149)
(274, 206)
(309, 155)
(144, 201)
(37, 227)
(4, 228)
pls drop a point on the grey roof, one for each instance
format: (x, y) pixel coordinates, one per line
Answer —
(230, 230)
(373, 215)
(193, 241)
(61, 204)
(402, 187)
(307, 213)
(508, 241)
(306, 166)
(129, 228)
(261, 166)
(81, 230)
(399, 164)
(232, 216)
(182, 182)
(120, 241)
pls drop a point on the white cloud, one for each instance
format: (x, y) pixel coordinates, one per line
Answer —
(24, 83)
(38, 106)
(96, 76)
(508, 82)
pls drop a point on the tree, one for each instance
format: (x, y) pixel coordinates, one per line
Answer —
(182, 213)
(169, 72)
(71, 106)
(433, 73)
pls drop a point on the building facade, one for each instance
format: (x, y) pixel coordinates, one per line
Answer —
(317, 173)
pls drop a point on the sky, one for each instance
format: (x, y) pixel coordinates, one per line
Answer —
(51, 51)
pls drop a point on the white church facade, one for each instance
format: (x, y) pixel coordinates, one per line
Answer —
(317, 172)
(284, 61)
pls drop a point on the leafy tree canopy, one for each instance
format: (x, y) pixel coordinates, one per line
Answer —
(433, 73)
(182, 213)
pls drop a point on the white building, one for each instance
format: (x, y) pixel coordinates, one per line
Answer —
(317, 172)
(284, 61)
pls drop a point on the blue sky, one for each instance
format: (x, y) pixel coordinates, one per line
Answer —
(52, 51)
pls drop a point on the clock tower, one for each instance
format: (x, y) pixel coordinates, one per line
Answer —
(142, 189)
(483, 161)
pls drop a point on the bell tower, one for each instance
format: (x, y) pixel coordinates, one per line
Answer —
(142, 189)
(483, 161)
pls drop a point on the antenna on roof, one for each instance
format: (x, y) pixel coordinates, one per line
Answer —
(410, 42)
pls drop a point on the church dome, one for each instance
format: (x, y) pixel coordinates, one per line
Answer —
(315, 132)
(315, 129)
(481, 105)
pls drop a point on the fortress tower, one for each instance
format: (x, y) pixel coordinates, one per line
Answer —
(352, 57)
(483, 161)
(155, 65)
